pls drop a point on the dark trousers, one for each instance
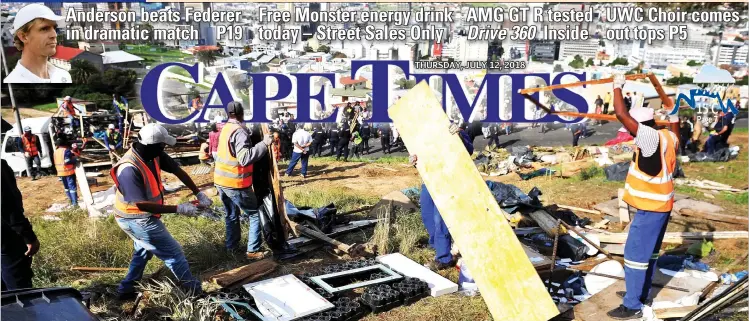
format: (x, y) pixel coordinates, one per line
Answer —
(385, 142)
(16, 267)
(494, 138)
(358, 149)
(317, 148)
(333, 147)
(605, 108)
(342, 149)
(575, 138)
(295, 157)
(35, 160)
(366, 142)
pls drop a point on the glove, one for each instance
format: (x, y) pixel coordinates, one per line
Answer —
(186, 209)
(267, 140)
(454, 129)
(619, 80)
(203, 199)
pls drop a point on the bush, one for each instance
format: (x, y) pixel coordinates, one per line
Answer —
(590, 172)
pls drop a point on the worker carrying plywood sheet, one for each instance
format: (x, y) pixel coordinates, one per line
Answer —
(506, 278)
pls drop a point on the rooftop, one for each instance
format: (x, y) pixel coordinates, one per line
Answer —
(349, 81)
(119, 56)
(66, 53)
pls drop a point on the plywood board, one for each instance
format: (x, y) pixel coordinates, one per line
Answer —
(505, 276)
(286, 298)
(80, 177)
(438, 285)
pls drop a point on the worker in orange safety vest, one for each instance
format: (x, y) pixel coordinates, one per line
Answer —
(649, 187)
(65, 162)
(32, 152)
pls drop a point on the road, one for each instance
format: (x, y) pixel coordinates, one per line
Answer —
(558, 136)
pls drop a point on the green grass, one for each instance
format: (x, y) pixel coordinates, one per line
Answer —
(344, 199)
(51, 107)
(741, 130)
(738, 199)
(380, 160)
(589, 173)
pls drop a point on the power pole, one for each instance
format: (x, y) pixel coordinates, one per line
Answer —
(16, 112)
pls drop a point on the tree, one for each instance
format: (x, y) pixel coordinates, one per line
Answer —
(675, 81)
(739, 39)
(558, 68)
(693, 63)
(220, 48)
(247, 49)
(743, 82)
(207, 57)
(577, 63)
(149, 28)
(323, 48)
(338, 54)
(621, 61)
(82, 70)
(590, 62)
(308, 49)
(405, 83)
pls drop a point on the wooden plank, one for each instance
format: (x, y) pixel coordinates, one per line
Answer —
(623, 207)
(580, 83)
(584, 210)
(275, 179)
(678, 237)
(80, 177)
(256, 269)
(715, 216)
(505, 276)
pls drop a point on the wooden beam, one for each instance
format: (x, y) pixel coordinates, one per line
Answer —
(505, 276)
(623, 207)
(580, 83)
(715, 216)
(585, 210)
(275, 179)
(253, 270)
(678, 237)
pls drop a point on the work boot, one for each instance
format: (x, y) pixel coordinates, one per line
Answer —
(125, 296)
(259, 255)
(437, 266)
(624, 313)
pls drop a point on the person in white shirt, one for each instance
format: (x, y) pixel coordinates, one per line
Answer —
(301, 140)
(35, 36)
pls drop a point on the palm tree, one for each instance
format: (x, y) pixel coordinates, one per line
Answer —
(207, 57)
(81, 70)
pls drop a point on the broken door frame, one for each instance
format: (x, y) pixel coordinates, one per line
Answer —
(320, 280)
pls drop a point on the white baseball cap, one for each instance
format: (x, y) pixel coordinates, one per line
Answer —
(34, 11)
(111, 126)
(641, 114)
(155, 134)
(66, 98)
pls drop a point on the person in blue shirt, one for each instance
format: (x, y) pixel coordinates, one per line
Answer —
(439, 236)
(719, 137)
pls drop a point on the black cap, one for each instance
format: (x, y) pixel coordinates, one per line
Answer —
(235, 108)
(5, 126)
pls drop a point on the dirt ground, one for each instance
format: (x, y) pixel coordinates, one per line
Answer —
(371, 181)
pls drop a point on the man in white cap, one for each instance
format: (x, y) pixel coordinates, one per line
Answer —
(139, 203)
(34, 35)
(649, 188)
(70, 111)
(113, 141)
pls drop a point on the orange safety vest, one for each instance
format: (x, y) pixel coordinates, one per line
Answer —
(151, 181)
(69, 109)
(62, 168)
(29, 145)
(204, 152)
(653, 193)
(228, 172)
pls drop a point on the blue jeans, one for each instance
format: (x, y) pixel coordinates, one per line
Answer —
(439, 235)
(712, 144)
(640, 255)
(151, 237)
(68, 182)
(236, 202)
(295, 159)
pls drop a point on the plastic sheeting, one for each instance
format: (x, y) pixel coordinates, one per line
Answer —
(323, 218)
(721, 155)
(617, 172)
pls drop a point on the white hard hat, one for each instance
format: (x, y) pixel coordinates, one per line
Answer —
(111, 126)
(155, 134)
(66, 98)
(34, 11)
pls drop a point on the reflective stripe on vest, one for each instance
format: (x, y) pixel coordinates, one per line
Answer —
(151, 182)
(62, 168)
(228, 172)
(29, 145)
(653, 193)
(69, 109)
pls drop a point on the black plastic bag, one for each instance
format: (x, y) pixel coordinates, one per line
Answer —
(617, 172)
(568, 247)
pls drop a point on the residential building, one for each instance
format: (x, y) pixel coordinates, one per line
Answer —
(462, 49)
(64, 56)
(544, 50)
(585, 48)
(732, 53)
(98, 47)
(664, 56)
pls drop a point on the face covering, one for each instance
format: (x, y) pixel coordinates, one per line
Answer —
(148, 152)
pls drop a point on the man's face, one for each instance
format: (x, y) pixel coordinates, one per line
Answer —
(41, 38)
